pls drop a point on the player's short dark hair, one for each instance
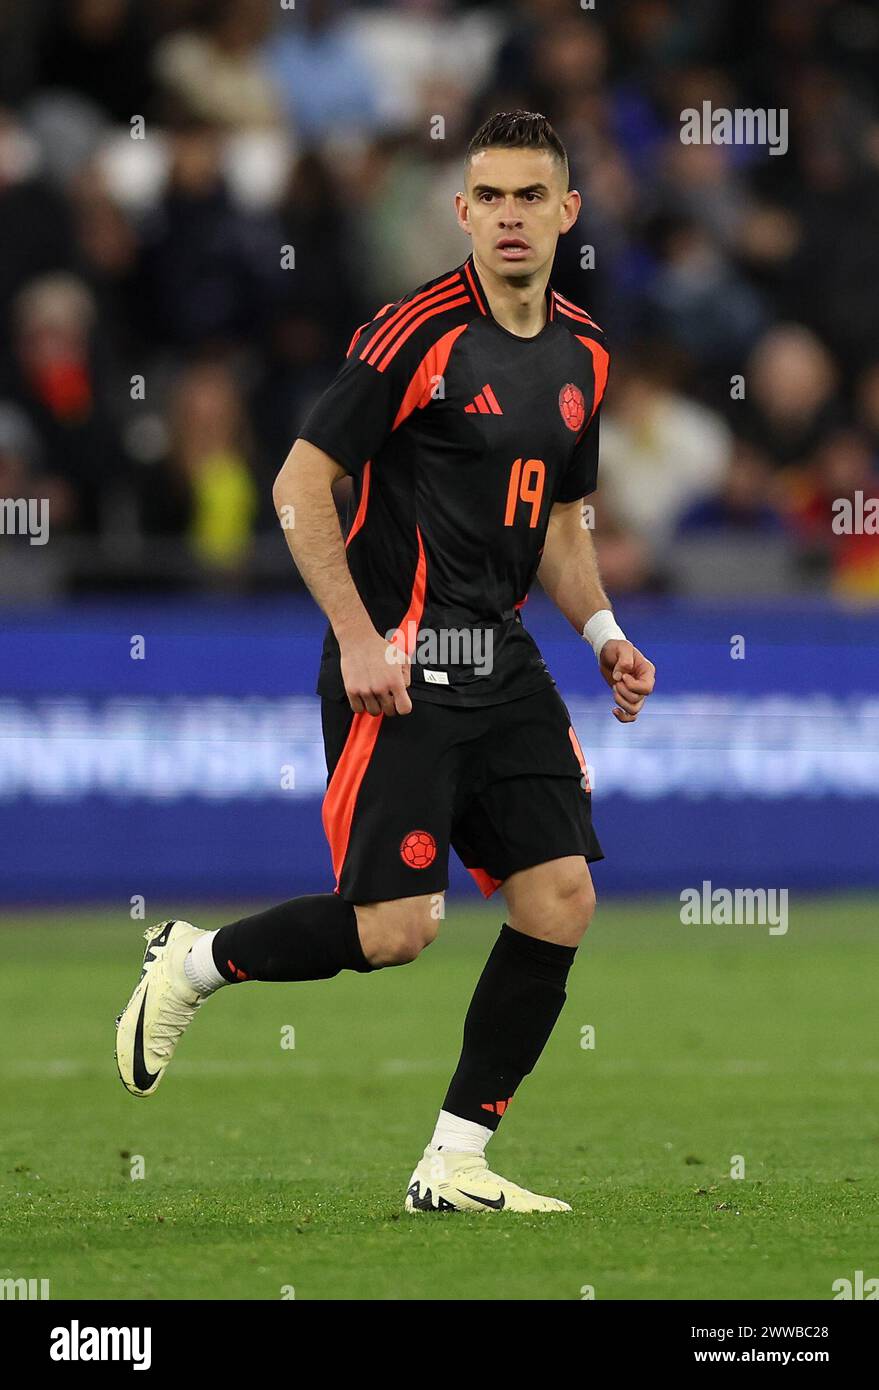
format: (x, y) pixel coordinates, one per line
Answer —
(518, 130)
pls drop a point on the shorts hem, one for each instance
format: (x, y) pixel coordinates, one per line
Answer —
(360, 899)
(488, 883)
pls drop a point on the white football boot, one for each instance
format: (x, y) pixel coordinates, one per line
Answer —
(447, 1181)
(160, 1009)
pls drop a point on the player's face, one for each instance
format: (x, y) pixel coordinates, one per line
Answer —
(515, 206)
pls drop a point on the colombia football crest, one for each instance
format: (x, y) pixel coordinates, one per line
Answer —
(572, 406)
(418, 849)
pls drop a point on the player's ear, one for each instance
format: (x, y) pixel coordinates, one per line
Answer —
(571, 204)
(462, 212)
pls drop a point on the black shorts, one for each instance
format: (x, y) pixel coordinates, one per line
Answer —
(505, 785)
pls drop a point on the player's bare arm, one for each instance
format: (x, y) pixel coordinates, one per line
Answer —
(569, 575)
(303, 497)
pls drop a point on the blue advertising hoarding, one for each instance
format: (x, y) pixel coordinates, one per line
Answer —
(174, 748)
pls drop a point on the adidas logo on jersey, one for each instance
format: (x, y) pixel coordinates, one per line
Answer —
(486, 403)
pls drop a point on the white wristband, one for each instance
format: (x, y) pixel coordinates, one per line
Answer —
(602, 627)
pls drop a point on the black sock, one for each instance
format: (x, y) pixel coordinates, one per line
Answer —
(512, 1013)
(308, 938)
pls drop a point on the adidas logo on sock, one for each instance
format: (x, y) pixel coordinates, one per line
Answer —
(497, 1107)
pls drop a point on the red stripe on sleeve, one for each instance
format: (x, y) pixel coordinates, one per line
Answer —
(415, 324)
(443, 290)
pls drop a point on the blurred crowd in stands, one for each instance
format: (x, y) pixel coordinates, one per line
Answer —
(201, 199)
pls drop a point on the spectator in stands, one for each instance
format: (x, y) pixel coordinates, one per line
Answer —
(36, 234)
(626, 561)
(102, 50)
(107, 252)
(702, 182)
(743, 504)
(217, 73)
(834, 505)
(834, 189)
(867, 405)
(415, 171)
(322, 301)
(58, 389)
(204, 490)
(209, 271)
(26, 569)
(697, 299)
(661, 453)
(19, 453)
(790, 400)
(325, 82)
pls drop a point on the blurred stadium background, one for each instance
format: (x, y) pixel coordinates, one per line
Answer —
(159, 161)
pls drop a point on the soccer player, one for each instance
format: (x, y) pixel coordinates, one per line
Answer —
(467, 415)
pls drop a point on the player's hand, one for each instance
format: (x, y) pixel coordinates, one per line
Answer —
(630, 676)
(376, 674)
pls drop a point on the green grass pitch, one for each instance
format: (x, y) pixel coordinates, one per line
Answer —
(268, 1167)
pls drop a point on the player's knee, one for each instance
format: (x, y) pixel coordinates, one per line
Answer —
(396, 933)
(583, 908)
(575, 905)
(565, 909)
(403, 941)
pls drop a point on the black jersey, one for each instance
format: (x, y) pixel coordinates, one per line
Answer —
(460, 437)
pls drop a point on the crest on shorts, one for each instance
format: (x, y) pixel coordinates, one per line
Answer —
(572, 406)
(418, 849)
